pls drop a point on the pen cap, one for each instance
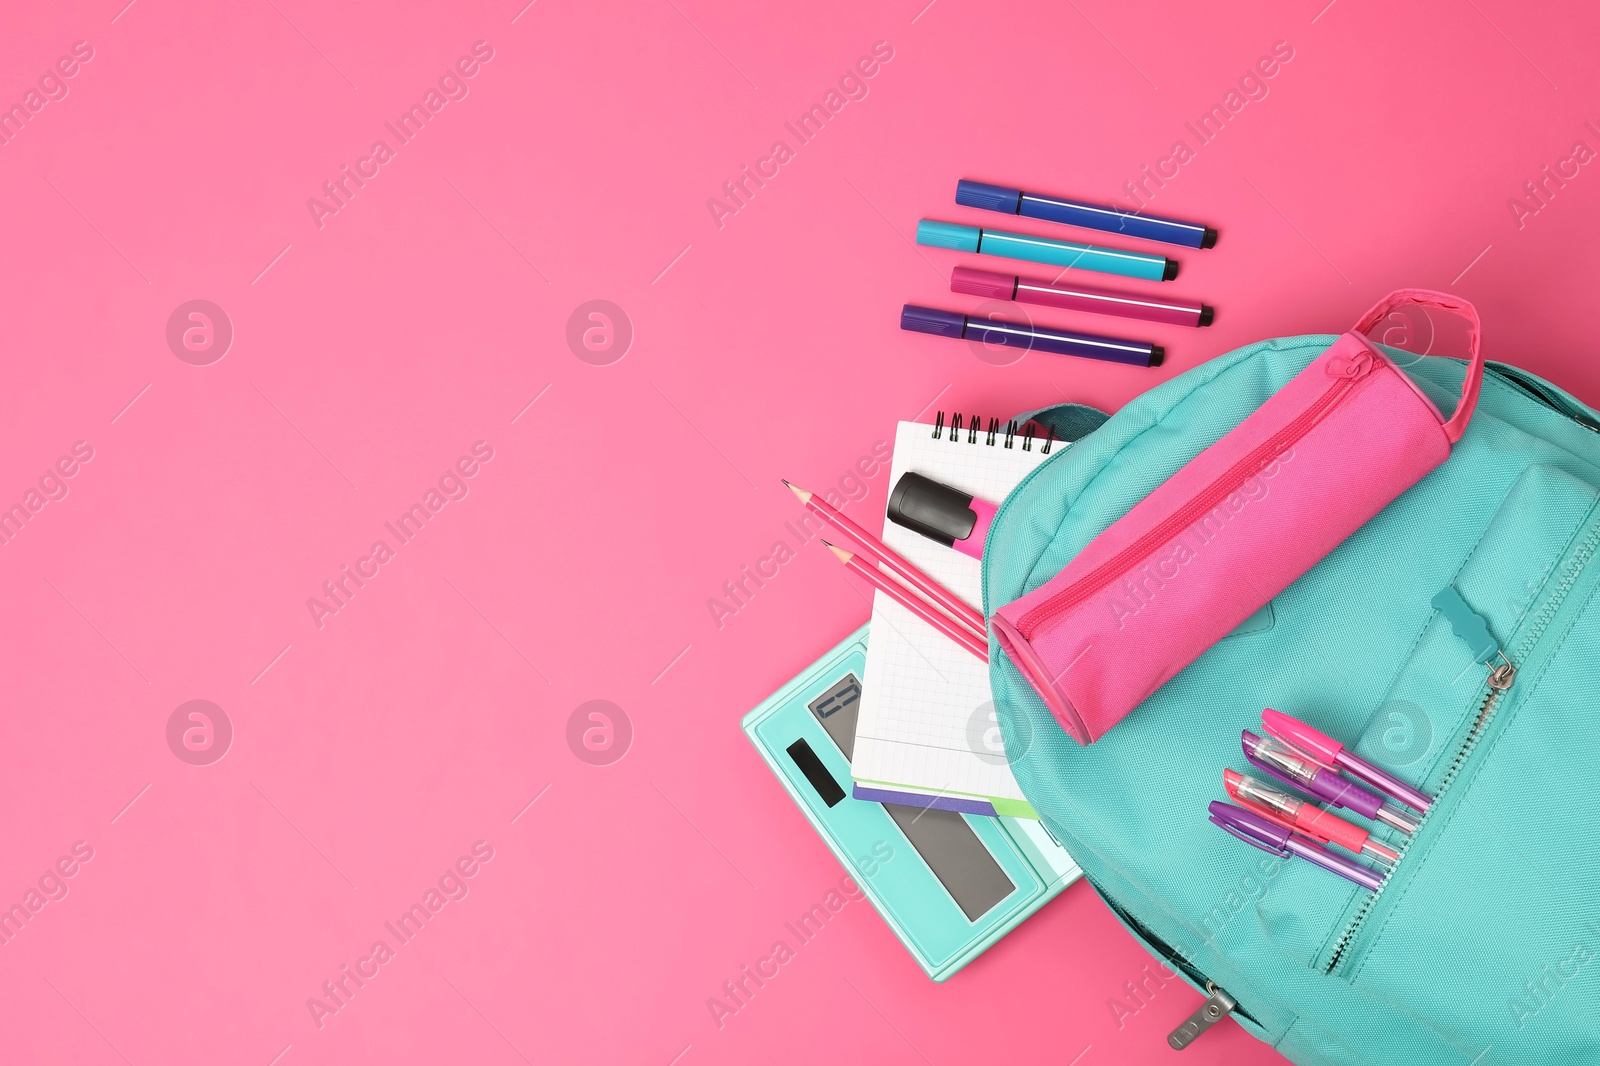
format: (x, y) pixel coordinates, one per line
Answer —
(950, 235)
(1313, 742)
(990, 283)
(932, 320)
(988, 197)
(1248, 827)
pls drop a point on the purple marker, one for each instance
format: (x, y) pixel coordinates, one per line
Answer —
(1019, 335)
(1260, 833)
(1294, 767)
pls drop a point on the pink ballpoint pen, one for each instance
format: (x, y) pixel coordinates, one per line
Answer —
(1333, 755)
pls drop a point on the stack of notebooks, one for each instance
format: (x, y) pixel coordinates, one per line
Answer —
(927, 734)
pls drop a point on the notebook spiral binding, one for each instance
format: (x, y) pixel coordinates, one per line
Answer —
(1026, 431)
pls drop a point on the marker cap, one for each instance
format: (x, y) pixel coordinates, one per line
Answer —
(943, 514)
(932, 320)
(994, 285)
(950, 235)
(988, 197)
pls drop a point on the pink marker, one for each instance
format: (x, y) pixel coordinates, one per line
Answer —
(1075, 297)
(940, 513)
(1333, 755)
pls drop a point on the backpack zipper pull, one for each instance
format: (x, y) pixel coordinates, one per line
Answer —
(1217, 1007)
(1469, 625)
(1499, 680)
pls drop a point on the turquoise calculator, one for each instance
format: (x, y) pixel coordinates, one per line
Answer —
(948, 884)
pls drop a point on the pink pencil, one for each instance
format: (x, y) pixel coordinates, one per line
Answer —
(879, 552)
(897, 592)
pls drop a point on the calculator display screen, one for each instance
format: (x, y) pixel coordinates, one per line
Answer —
(836, 710)
(945, 841)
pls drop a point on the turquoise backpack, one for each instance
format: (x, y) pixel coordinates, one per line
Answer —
(1479, 948)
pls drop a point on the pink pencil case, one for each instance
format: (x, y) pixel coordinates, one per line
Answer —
(1233, 528)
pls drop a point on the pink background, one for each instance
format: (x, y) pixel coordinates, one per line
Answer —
(369, 354)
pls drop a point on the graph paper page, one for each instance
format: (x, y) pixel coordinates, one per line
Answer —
(926, 719)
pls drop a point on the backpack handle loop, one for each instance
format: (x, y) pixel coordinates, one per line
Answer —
(1457, 425)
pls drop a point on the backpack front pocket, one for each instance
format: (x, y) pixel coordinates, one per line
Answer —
(1432, 720)
(1488, 930)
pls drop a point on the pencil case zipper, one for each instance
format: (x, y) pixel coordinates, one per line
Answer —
(1203, 550)
(1360, 370)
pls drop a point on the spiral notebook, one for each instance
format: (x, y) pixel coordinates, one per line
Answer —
(926, 733)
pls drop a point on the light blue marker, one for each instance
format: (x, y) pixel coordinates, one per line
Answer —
(961, 238)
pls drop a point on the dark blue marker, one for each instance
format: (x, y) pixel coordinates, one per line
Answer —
(1089, 216)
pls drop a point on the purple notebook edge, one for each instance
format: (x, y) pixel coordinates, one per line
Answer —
(917, 799)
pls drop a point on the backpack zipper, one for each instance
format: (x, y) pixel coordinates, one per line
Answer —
(1498, 682)
(1218, 1004)
(1351, 372)
(1536, 390)
(1496, 685)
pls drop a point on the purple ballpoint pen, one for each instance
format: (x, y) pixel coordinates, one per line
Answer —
(1291, 765)
(1334, 754)
(1260, 833)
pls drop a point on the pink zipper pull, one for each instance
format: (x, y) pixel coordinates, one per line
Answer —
(1350, 367)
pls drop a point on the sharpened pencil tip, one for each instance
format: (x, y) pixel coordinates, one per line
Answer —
(842, 555)
(800, 494)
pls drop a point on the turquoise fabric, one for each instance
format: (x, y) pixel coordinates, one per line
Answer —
(1484, 945)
